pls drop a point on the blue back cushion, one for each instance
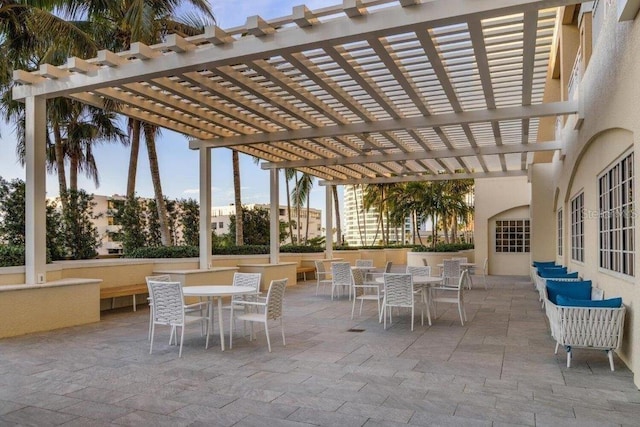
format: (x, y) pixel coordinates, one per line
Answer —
(574, 290)
(550, 274)
(605, 303)
(544, 263)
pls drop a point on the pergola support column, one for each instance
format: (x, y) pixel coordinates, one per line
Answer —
(328, 221)
(205, 208)
(274, 218)
(35, 203)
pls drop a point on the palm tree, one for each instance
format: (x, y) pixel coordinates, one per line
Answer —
(336, 205)
(118, 24)
(301, 195)
(237, 197)
(289, 174)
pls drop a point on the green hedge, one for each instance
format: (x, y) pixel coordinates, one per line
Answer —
(444, 247)
(300, 249)
(13, 256)
(164, 252)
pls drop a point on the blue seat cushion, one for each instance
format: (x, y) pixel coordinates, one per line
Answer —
(574, 290)
(549, 274)
(605, 303)
(544, 263)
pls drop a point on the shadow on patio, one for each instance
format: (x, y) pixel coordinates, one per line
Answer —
(497, 369)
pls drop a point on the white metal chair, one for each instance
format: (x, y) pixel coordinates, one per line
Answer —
(448, 290)
(398, 289)
(340, 277)
(451, 272)
(364, 291)
(268, 309)
(244, 279)
(322, 276)
(421, 271)
(485, 271)
(169, 310)
(158, 278)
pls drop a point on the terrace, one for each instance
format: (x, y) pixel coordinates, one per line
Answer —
(498, 369)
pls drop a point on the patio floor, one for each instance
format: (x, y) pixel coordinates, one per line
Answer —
(499, 369)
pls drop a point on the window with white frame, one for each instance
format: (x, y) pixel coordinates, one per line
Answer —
(617, 217)
(560, 231)
(577, 228)
(513, 235)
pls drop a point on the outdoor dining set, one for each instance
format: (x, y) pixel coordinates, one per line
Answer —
(414, 288)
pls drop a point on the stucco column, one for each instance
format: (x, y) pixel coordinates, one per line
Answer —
(35, 196)
(205, 207)
(274, 218)
(328, 221)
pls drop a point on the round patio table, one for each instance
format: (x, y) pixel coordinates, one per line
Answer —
(217, 292)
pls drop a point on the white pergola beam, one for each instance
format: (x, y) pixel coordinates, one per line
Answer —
(334, 32)
(413, 178)
(440, 120)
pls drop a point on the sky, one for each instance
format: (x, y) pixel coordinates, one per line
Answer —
(179, 165)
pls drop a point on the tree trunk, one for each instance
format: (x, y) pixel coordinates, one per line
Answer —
(454, 230)
(73, 172)
(62, 179)
(434, 230)
(237, 198)
(157, 188)
(286, 181)
(416, 230)
(336, 205)
(133, 158)
(306, 229)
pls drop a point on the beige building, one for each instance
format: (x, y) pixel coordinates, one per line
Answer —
(578, 206)
(221, 214)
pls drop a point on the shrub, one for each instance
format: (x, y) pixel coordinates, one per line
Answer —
(13, 255)
(164, 252)
(241, 250)
(300, 249)
(444, 247)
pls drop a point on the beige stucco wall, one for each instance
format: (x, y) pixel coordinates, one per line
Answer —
(543, 224)
(609, 94)
(507, 264)
(492, 197)
(27, 309)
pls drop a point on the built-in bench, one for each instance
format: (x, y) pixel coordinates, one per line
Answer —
(304, 270)
(114, 292)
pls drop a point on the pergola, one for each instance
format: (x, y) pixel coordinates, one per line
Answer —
(363, 92)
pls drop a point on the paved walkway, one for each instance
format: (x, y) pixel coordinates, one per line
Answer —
(498, 370)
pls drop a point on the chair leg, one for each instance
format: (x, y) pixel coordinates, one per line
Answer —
(557, 345)
(153, 329)
(181, 341)
(231, 321)
(568, 357)
(361, 303)
(610, 355)
(412, 313)
(353, 307)
(284, 343)
(384, 316)
(134, 302)
(150, 322)
(266, 332)
(460, 312)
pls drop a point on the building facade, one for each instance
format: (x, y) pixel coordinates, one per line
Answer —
(221, 215)
(577, 207)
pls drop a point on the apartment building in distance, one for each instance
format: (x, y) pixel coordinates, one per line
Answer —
(220, 220)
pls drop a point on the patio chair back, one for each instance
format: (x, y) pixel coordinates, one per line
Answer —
(451, 271)
(398, 289)
(364, 263)
(275, 299)
(387, 267)
(340, 276)
(246, 279)
(418, 270)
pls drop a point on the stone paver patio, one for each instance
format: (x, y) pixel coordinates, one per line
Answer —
(499, 369)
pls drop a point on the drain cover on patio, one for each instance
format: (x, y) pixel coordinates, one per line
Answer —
(355, 330)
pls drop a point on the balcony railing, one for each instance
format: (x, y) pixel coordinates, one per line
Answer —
(576, 75)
